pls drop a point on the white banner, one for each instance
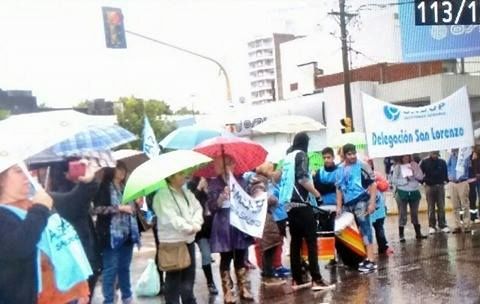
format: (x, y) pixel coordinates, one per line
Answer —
(247, 214)
(397, 130)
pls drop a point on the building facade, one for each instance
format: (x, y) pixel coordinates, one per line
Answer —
(265, 68)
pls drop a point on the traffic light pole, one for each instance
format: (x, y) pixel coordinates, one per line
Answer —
(222, 69)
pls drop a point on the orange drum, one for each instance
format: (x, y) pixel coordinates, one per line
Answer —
(325, 248)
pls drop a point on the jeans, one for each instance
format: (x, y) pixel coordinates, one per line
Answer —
(303, 226)
(116, 263)
(179, 284)
(378, 226)
(436, 198)
(204, 246)
(359, 209)
(403, 213)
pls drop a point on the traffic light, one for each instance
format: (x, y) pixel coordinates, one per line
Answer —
(346, 125)
(114, 28)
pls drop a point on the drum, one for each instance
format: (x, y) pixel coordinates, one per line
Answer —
(325, 248)
(349, 241)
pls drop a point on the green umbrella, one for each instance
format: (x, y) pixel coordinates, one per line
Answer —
(150, 176)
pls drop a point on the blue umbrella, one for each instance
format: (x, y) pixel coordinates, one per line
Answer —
(94, 138)
(186, 138)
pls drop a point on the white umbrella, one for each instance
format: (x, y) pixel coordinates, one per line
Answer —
(289, 124)
(28, 134)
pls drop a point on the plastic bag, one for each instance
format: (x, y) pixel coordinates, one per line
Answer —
(149, 283)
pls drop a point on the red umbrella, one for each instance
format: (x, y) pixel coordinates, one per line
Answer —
(246, 153)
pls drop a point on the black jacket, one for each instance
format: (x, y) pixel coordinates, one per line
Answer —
(435, 170)
(18, 254)
(74, 206)
(102, 228)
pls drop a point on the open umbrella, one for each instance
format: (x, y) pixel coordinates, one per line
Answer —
(289, 124)
(131, 158)
(246, 153)
(25, 135)
(94, 138)
(186, 138)
(150, 176)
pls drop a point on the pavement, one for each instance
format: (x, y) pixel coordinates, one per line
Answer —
(441, 269)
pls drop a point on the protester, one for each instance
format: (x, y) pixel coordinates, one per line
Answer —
(231, 243)
(266, 247)
(324, 180)
(179, 218)
(298, 195)
(378, 216)
(22, 231)
(117, 232)
(74, 205)
(435, 177)
(406, 177)
(280, 217)
(199, 187)
(459, 189)
(473, 175)
(353, 176)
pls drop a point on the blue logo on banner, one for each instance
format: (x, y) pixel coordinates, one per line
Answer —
(424, 43)
(391, 113)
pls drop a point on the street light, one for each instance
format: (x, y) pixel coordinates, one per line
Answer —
(222, 69)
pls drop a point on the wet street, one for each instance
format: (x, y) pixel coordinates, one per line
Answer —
(442, 269)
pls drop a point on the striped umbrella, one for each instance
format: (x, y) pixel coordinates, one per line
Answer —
(94, 138)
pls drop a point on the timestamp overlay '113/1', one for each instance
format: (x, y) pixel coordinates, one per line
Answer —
(447, 12)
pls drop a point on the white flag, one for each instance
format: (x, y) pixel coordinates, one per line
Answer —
(247, 214)
(150, 145)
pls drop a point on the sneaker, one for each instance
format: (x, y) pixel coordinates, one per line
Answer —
(300, 286)
(446, 230)
(457, 230)
(467, 230)
(212, 289)
(282, 272)
(432, 230)
(389, 251)
(322, 285)
(367, 266)
(269, 281)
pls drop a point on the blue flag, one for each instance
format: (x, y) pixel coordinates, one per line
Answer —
(150, 145)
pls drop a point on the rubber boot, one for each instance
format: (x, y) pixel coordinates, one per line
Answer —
(228, 297)
(401, 233)
(418, 232)
(243, 287)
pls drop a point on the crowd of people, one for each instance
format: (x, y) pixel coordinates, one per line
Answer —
(196, 210)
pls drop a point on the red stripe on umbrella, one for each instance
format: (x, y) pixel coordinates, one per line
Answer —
(247, 154)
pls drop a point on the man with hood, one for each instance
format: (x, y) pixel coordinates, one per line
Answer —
(298, 195)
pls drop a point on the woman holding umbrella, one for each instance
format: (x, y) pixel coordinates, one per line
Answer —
(231, 243)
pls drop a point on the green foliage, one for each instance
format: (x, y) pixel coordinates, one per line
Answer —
(4, 114)
(130, 114)
(185, 111)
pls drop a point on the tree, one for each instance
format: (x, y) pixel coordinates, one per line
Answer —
(4, 114)
(185, 111)
(130, 113)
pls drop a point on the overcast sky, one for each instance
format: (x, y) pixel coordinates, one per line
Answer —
(56, 48)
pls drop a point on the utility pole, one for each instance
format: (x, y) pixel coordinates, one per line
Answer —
(342, 15)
